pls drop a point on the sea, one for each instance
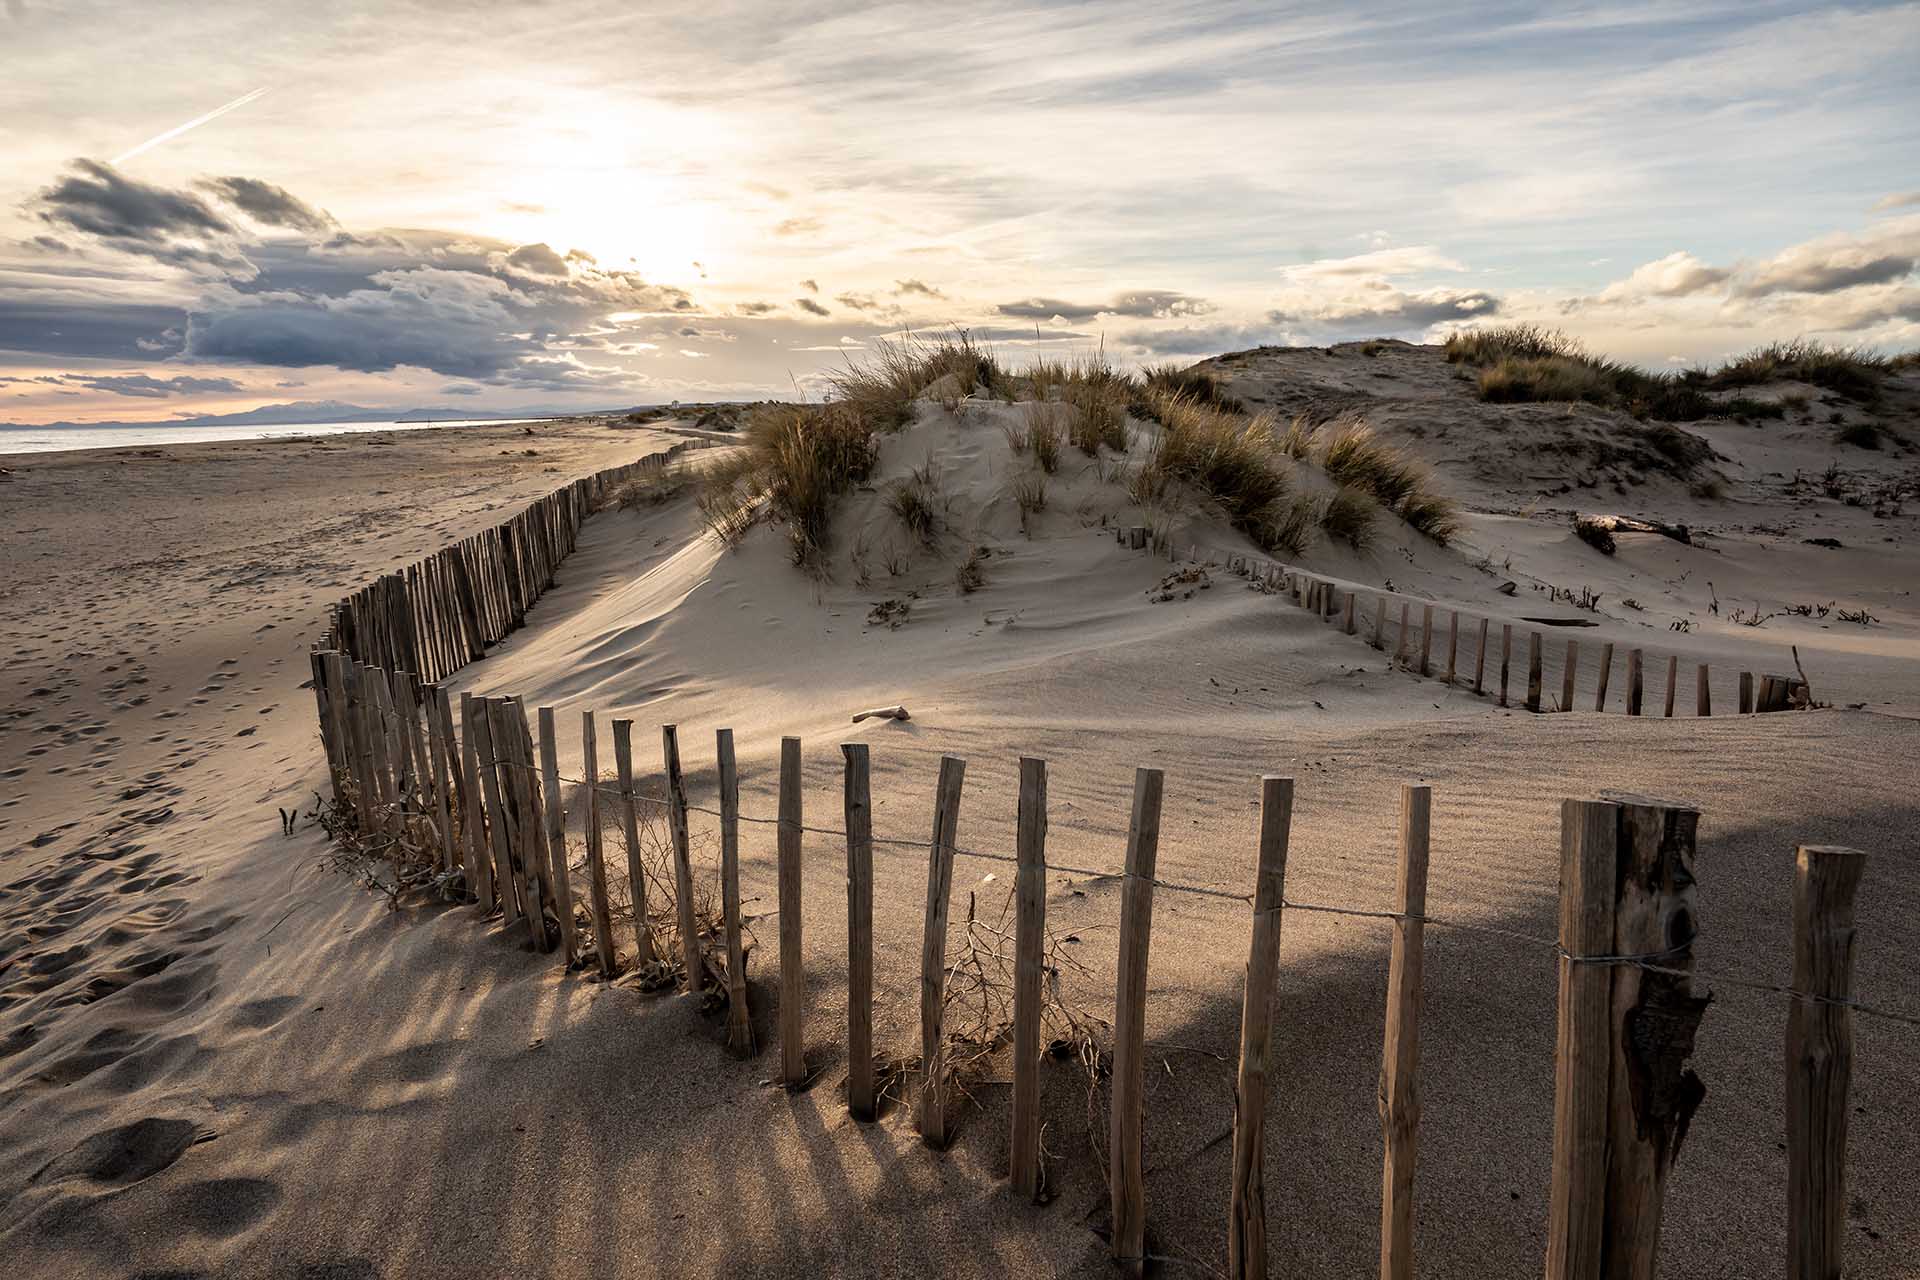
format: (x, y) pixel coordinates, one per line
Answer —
(16, 439)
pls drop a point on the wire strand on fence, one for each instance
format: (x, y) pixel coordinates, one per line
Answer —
(1643, 960)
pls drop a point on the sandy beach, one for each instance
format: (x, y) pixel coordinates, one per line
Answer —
(222, 1058)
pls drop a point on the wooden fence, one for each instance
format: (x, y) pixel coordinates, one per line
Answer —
(438, 614)
(487, 815)
(1437, 642)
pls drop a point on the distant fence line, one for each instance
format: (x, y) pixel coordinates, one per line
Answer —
(1416, 643)
(492, 824)
(438, 614)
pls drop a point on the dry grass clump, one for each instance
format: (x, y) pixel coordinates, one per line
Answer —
(1525, 379)
(1194, 384)
(918, 504)
(1231, 460)
(1298, 439)
(881, 387)
(1511, 342)
(653, 488)
(1347, 515)
(1849, 371)
(729, 496)
(1100, 413)
(1045, 428)
(806, 455)
(1433, 514)
(1030, 495)
(971, 574)
(1287, 524)
(1353, 455)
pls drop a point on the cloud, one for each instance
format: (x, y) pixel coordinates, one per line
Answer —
(797, 226)
(1407, 261)
(1677, 275)
(1836, 262)
(267, 204)
(100, 201)
(700, 333)
(920, 287)
(1203, 340)
(811, 286)
(537, 259)
(462, 389)
(1145, 304)
(1377, 308)
(857, 301)
(1900, 200)
(148, 387)
(755, 308)
(811, 307)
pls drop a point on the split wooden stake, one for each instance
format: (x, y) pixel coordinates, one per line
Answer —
(596, 854)
(644, 953)
(1606, 673)
(793, 980)
(683, 859)
(739, 1017)
(1568, 675)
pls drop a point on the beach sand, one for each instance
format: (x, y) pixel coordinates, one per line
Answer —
(223, 1059)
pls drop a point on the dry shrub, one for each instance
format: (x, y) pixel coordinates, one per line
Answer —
(1347, 515)
(971, 575)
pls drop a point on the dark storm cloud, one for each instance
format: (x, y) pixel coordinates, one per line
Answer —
(267, 204)
(1201, 340)
(1141, 304)
(100, 201)
(755, 308)
(88, 328)
(811, 307)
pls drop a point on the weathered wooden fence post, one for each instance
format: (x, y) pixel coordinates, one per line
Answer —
(1348, 624)
(933, 952)
(1453, 642)
(1426, 639)
(1636, 684)
(1400, 1060)
(596, 853)
(1506, 656)
(683, 860)
(739, 1017)
(1379, 640)
(1673, 680)
(1746, 693)
(1606, 674)
(1533, 671)
(1247, 1210)
(1637, 855)
(556, 832)
(1480, 661)
(1569, 674)
(1702, 692)
(474, 826)
(644, 953)
(1576, 1206)
(1126, 1178)
(857, 789)
(1820, 1059)
(793, 980)
(1030, 924)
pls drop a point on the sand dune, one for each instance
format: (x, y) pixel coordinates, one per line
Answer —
(223, 1059)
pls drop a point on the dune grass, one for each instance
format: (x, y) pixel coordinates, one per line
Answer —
(1232, 460)
(803, 457)
(1347, 515)
(1194, 384)
(1511, 342)
(1854, 372)
(918, 504)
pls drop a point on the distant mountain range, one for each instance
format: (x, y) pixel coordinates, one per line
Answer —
(303, 411)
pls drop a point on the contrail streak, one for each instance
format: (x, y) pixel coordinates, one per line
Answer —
(194, 123)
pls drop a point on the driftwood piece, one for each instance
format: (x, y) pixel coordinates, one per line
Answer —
(882, 713)
(1597, 530)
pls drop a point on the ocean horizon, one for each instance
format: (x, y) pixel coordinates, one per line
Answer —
(66, 439)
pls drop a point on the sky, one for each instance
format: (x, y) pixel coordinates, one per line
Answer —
(212, 207)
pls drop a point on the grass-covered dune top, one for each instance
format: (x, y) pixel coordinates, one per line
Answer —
(1522, 363)
(1154, 447)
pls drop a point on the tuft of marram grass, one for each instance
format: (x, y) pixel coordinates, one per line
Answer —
(1352, 454)
(1495, 343)
(1347, 515)
(1231, 460)
(1194, 384)
(652, 488)
(1436, 516)
(1298, 439)
(1850, 371)
(1287, 524)
(917, 504)
(805, 456)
